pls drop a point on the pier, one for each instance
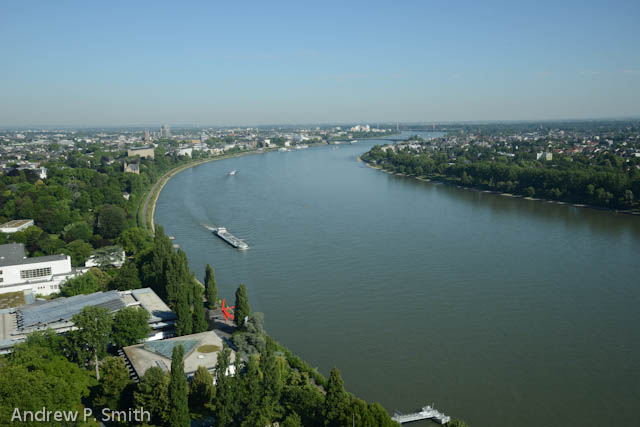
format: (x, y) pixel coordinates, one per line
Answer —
(427, 413)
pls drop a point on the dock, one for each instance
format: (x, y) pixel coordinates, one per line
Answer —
(427, 413)
(222, 233)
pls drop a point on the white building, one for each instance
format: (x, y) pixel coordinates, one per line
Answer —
(110, 255)
(41, 275)
(16, 225)
(544, 156)
(185, 151)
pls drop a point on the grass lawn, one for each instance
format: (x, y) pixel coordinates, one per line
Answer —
(208, 348)
(11, 299)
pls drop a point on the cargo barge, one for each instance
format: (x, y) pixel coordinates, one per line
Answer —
(222, 233)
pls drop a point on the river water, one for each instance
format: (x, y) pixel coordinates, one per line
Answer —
(501, 311)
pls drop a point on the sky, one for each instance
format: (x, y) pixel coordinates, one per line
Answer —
(215, 63)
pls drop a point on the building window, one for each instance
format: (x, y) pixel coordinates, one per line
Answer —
(1, 279)
(36, 272)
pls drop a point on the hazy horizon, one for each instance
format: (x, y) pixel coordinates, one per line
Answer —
(128, 64)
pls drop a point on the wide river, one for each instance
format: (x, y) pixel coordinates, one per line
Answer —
(501, 311)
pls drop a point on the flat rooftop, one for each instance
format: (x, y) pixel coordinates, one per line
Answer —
(17, 322)
(200, 350)
(14, 254)
(16, 223)
(151, 302)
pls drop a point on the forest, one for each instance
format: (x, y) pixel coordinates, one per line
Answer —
(605, 181)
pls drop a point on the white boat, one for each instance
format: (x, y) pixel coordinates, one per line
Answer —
(230, 238)
(233, 172)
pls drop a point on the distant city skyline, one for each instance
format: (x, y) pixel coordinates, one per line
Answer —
(137, 64)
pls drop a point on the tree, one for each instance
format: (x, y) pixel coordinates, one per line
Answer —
(37, 374)
(130, 326)
(211, 288)
(77, 231)
(252, 387)
(271, 381)
(178, 390)
(134, 240)
(225, 396)
(152, 394)
(336, 401)
(78, 250)
(93, 333)
(115, 379)
(253, 339)
(58, 385)
(292, 420)
(184, 321)
(127, 278)
(201, 390)
(242, 310)
(86, 283)
(199, 320)
(111, 221)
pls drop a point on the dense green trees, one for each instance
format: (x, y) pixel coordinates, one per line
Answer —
(91, 338)
(606, 182)
(87, 283)
(178, 390)
(211, 288)
(152, 394)
(38, 375)
(130, 326)
(201, 391)
(126, 278)
(115, 379)
(226, 401)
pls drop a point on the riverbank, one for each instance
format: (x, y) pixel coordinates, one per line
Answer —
(145, 217)
(498, 193)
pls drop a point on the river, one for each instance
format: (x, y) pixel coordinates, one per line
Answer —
(501, 311)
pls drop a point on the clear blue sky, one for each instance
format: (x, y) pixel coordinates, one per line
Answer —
(221, 63)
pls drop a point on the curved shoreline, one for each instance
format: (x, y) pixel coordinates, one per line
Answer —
(498, 193)
(151, 198)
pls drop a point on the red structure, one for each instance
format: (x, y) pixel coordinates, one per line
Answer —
(228, 315)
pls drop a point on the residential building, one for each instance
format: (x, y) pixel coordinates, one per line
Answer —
(143, 152)
(132, 168)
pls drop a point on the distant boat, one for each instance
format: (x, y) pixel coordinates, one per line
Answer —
(233, 172)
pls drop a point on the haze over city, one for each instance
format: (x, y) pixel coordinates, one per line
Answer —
(123, 63)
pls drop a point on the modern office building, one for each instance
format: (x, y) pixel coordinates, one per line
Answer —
(199, 350)
(17, 322)
(40, 275)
